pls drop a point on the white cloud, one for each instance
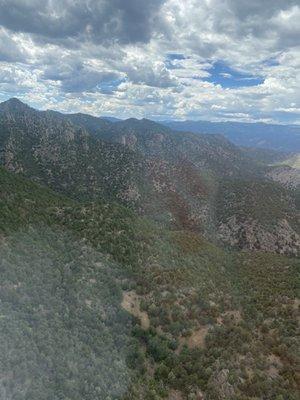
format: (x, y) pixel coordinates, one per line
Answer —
(142, 76)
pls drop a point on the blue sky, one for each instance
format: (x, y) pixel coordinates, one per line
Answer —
(164, 59)
(228, 77)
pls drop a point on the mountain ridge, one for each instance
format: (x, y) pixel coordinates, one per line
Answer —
(173, 177)
(260, 135)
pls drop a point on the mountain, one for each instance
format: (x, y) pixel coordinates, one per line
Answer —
(213, 152)
(49, 149)
(285, 138)
(89, 122)
(210, 153)
(266, 156)
(293, 161)
(111, 119)
(174, 178)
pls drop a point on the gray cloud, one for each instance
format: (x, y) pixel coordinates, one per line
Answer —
(245, 9)
(129, 21)
(10, 51)
(256, 17)
(156, 75)
(75, 77)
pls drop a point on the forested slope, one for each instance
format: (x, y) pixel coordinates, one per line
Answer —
(97, 302)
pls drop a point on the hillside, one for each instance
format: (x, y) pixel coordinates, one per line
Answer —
(208, 152)
(258, 215)
(97, 302)
(174, 178)
(293, 161)
(266, 156)
(283, 168)
(62, 322)
(65, 157)
(212, 152)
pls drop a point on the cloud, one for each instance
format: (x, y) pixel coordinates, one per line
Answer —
(214, 59)
(75, 77)
(127, 21)
(10, 51)
(145, 70)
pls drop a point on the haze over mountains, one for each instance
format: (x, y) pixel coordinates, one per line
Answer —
(284, 138)
(281, 138)
(141, 262)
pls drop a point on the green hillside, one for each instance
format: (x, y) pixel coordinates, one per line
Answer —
(99, 303)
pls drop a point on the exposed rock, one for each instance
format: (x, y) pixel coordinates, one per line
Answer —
(287, 176)
(219, 385)
(129, 140)
(251, 235)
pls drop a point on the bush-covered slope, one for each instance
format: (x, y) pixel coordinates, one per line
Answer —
(208, 152)
(63, 331)
(99, 303)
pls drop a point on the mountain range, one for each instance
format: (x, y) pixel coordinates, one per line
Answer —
(181, 179)
(142, 262)
(284, 138)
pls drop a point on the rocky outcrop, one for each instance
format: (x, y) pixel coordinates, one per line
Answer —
(251, 235)
(219, 385)
(287, 176)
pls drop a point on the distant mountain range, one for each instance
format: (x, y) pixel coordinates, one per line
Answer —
(280, 138)
(260, 135)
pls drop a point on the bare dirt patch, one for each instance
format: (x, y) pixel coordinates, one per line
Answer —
(131, 303)
(233, 316)
(274, 366)
(175, 395)
(296, 304)
(196, 339)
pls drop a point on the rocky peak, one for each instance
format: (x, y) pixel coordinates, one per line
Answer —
(14, 105)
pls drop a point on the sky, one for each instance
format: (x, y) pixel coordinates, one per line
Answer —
(213, 60)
